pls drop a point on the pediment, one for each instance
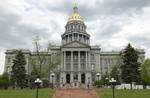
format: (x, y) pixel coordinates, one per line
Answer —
(75, 44)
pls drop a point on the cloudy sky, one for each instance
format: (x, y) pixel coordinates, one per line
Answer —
(112, 24)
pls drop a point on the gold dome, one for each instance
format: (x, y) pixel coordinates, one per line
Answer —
(75, 15)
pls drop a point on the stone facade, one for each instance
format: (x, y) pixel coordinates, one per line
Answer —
(81, 63)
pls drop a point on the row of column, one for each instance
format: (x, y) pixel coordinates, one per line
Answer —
(68, 38)
(87, 60)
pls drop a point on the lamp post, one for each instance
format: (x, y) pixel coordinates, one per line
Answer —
(98, 74)
(112, 81)
(53, 74)
(107, 80)
(37, 82)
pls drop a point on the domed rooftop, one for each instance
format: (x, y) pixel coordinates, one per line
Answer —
(75, 16)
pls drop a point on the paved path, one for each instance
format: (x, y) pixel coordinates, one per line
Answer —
(75, 93)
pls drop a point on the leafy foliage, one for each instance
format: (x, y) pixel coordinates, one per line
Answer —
(4, 81)
(104, 81)
(145, 72)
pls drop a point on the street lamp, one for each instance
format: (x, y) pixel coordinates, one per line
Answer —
(37, 82)
(53, 74)
(98, 74)
(107, 80)
(113, 82)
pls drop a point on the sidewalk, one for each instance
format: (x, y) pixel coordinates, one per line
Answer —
(75, 93)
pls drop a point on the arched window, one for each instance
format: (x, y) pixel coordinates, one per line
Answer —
(79, 27)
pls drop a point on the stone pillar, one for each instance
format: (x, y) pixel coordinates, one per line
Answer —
(79, 65)
(82, 39)
(78, 37)
(71, 78)
(89, 60)
(88, 78)
(61, 67)
(71, 60)
(87, 40)
(86, 60)
(79, 77)
(62, 78)
(68, 38)
(64, 60)
(72, 36)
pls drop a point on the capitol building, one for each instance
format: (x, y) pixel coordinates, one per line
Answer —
(80, 62)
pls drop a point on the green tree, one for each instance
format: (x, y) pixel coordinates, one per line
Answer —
(115, 73)
(130, 68)
(18, 73)
(4, 81)
(43, 61)
(145, 72)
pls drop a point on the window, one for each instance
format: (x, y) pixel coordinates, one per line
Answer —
(82, 66)
(8, 69)
(9, 60)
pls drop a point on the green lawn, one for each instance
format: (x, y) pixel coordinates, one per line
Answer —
(26, 93)
(107, 93)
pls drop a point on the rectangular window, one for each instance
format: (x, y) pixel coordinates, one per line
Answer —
(9, 60)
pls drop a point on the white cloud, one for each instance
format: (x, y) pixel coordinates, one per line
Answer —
(111, 23)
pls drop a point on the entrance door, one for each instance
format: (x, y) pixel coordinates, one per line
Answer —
(83, 78)
(68, 78)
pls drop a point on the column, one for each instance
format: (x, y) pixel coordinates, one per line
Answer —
(78, 36)
(62, 53)
(79, 66)
(68, 38)
(71, 60)
(82, 39)
(79, 77)
(71, 78)
(86, 40)
(72, 36)
(86, 60)
(64, 60)
(89, 40)
(89, 60)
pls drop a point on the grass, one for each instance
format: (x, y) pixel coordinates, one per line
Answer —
(48, 93)
(26, 93)
(107, 93)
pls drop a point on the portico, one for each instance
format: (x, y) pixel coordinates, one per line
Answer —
(75, 65)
